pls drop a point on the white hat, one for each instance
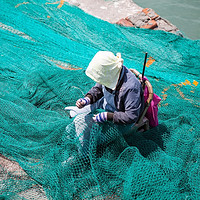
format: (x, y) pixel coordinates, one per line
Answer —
(105, 68)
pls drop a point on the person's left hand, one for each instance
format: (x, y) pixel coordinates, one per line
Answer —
(100, 117)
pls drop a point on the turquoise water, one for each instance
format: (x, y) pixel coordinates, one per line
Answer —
(185, 14)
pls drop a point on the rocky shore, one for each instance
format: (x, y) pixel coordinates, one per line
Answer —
(125, 13)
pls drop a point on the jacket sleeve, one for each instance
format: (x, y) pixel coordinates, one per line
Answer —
(133, 104)
(95, 93)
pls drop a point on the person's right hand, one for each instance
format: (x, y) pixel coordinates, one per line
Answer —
(80, 103)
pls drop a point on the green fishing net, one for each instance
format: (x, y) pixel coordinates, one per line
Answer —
(45, 49)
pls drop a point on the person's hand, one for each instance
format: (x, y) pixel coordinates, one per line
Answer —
(100, 117)
(80, 103)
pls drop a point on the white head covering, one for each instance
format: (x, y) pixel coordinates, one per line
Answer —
(105, 68)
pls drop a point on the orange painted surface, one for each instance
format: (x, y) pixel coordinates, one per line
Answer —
(61, 4)
(124, 22)
(150, 61)
(151, 24)
(178, 89)
(186, 82)
(180, 92)
(195, 83)
(68, 68)
(19, 4)
(64, 65)
(147, 10)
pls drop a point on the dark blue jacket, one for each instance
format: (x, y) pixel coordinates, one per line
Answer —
(129, 99)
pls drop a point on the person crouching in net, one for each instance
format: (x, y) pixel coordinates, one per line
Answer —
(117, 91)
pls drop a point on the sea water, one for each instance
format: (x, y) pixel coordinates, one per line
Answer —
(185, 14)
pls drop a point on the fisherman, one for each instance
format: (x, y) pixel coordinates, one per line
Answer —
(117, 91)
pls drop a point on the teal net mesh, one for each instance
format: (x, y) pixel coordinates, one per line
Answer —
(45, 48)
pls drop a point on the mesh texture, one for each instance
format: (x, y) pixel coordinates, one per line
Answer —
(45, 48)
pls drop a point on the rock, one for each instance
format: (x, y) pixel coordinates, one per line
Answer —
(149, 19)
(124, 22)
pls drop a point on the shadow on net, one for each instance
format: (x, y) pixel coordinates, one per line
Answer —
(149, 141)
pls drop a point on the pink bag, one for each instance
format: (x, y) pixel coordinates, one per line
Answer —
(152, 112)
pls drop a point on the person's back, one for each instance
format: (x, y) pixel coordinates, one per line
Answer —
(130, 99)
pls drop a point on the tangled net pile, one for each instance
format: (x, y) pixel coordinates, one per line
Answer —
(45, 49)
